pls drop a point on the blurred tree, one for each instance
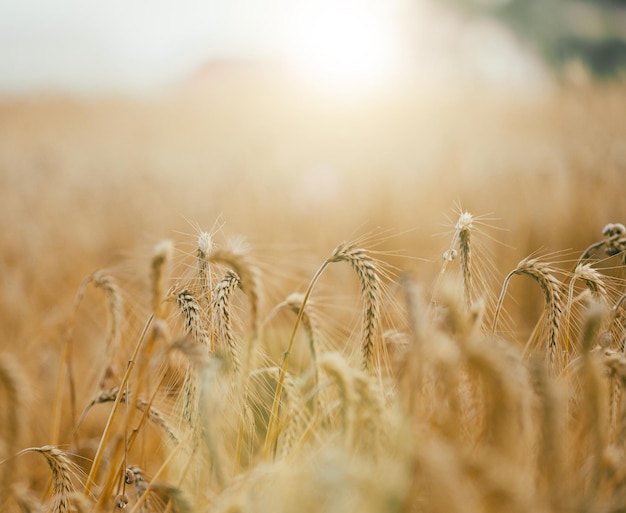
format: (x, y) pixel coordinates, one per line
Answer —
(592, 32)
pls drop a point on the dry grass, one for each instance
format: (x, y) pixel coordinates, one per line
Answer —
(414, 386)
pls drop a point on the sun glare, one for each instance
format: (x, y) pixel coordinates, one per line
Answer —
(343, 47)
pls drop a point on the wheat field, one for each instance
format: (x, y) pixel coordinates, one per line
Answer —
(251, 301)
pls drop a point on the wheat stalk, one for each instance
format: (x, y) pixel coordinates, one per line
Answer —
(292, 421)
(294, 302)
(107, 283)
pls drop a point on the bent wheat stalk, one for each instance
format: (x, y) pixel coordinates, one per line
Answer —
(293, 302)
(594, 283)
(61, 468)
(551, 288)
(365, 268)
(272, 433)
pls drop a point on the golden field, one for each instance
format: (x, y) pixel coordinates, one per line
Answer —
(145, 373)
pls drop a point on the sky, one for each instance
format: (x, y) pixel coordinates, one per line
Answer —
(126, 43)
(136, 45)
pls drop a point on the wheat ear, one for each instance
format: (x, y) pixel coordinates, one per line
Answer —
(594, 283)
(154, 414)
(551, 288)
(338, 369)
(462, 233)
(161, 256)
(615, 313)
(249, 276)
(365, 267)
(149, 489)
(195, 326)
(60, 467)
(463, 228)
(223, 319)
(109, 286)
(194, 322)
(615, 242)
(205, 246)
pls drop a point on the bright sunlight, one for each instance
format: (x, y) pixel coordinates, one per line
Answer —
(344, 46)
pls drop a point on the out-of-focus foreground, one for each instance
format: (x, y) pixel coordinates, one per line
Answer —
(407, 387)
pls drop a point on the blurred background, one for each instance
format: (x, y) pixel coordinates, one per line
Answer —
(143, 46)
(301, 123)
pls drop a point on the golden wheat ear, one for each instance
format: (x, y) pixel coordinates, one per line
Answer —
(223, 325)
(248, 279)
(371, 292)
(61, 469)
(205, 247)
(161, 256)
(195, 322)
(462, 236)
(543, 274)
